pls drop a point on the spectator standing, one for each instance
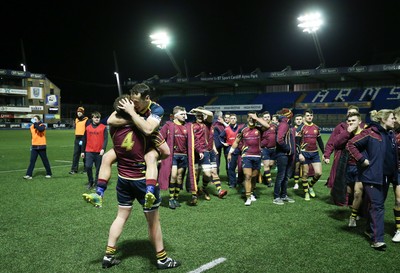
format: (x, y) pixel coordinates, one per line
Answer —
(38, 148)
(94, 143)
(80, 125)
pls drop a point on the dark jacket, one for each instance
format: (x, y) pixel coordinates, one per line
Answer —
(374, 143)
(285, 138)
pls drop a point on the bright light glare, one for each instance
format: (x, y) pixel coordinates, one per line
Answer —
(160, 39)
(310, 22)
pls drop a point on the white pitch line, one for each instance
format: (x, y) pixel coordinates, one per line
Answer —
(64, 161)
(208, 265)
(40, 168)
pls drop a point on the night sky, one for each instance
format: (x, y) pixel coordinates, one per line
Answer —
(73, 43)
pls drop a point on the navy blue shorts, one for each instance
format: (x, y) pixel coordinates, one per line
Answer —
(180, 160)
(128, 190)
(268, 153)
(312, 157)
(351, 174)
(205, 160)
(213, 157)
(251, 162)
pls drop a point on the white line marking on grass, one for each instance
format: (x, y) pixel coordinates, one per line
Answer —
(40, 168)
(64, 161)
(208, 265)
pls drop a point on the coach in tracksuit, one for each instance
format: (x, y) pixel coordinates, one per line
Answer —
(375, 150)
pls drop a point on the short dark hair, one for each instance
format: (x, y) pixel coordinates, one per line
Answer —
(121, 113)
(142, 89)
(354, 114)
(265, 113)
(308, 110)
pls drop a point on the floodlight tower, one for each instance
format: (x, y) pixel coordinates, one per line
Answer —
(116, 73)
(310, 23)
(162, 40)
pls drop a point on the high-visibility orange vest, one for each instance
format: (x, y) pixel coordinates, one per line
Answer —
(38, 138)
(80, 126)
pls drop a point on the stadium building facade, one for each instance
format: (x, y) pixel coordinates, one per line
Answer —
(23, 95)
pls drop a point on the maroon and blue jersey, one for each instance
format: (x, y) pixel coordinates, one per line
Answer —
(180, 139)
(268, 137)
(153, 111)
(203, 137)
(309, 135)
(251, 138)
(130, 146)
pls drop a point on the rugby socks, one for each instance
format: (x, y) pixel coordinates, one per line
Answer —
(354, 213)
(397, 217)
(151, 182)
(172, 187)
(177, 190)
(313, 181)
(267, 175)
(102, 182)
(101, 186)
(162, 256)
(217, 182)
(296, 178)
(305, 185)
(111, 250)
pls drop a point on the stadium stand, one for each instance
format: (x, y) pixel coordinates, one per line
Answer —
(189, 102)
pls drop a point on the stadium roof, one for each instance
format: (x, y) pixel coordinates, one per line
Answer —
(384, 73)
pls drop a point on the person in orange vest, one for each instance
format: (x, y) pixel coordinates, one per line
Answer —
(81, 121)
(94, 143)
(38, 132)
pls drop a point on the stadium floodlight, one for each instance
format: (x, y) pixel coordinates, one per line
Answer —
(162, 40)
(310, 23)
(23, 67)
(118, 84)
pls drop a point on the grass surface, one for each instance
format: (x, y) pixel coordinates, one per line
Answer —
(47, 227)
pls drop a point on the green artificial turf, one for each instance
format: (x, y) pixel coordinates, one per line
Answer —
(47, 227)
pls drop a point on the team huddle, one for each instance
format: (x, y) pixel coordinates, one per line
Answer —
(151, 158)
